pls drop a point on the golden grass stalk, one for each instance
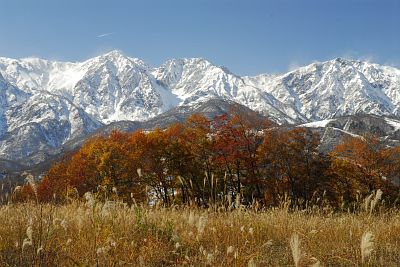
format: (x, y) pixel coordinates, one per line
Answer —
(296, 249)
(367, 245)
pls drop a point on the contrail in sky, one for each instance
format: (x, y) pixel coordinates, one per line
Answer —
(104, 35)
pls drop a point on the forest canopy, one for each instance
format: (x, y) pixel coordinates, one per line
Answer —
(232, 157)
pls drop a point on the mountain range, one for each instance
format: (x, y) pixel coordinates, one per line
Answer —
(48, 107)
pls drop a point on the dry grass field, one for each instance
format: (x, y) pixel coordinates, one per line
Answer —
(114, 234)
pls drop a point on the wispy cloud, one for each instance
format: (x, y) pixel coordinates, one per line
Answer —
(296, 64)
(356, 55)
(293, 65)
(104, 34)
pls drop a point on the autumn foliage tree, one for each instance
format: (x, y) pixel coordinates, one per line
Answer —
(104, 165)
(292, 164)
(362, 165)
(205, 162)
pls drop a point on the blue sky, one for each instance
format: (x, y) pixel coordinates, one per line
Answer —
(247, 36)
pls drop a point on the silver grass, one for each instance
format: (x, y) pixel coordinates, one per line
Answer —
(367, 245)
(375, 201)
(296, 250)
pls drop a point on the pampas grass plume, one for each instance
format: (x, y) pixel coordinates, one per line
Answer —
(296, 250)
(367, 245)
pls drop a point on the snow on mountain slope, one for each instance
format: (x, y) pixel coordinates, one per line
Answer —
(10, 96)
(32, 74)
(46, 103)
(394, 123)
(109, 87)
(316, 124)
(42, 122)
(196, 80)
(116, 87)
(336, 88)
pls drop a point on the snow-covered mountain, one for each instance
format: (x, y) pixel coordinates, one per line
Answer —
(45, 104)
(109, 88)
(196, 80)
(336, 88)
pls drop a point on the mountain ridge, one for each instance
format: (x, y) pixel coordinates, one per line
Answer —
(45, 104)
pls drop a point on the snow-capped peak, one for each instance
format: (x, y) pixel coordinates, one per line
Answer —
(117, 58)
(50, 100)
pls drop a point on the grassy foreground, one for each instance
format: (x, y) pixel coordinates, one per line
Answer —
(113, 234)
